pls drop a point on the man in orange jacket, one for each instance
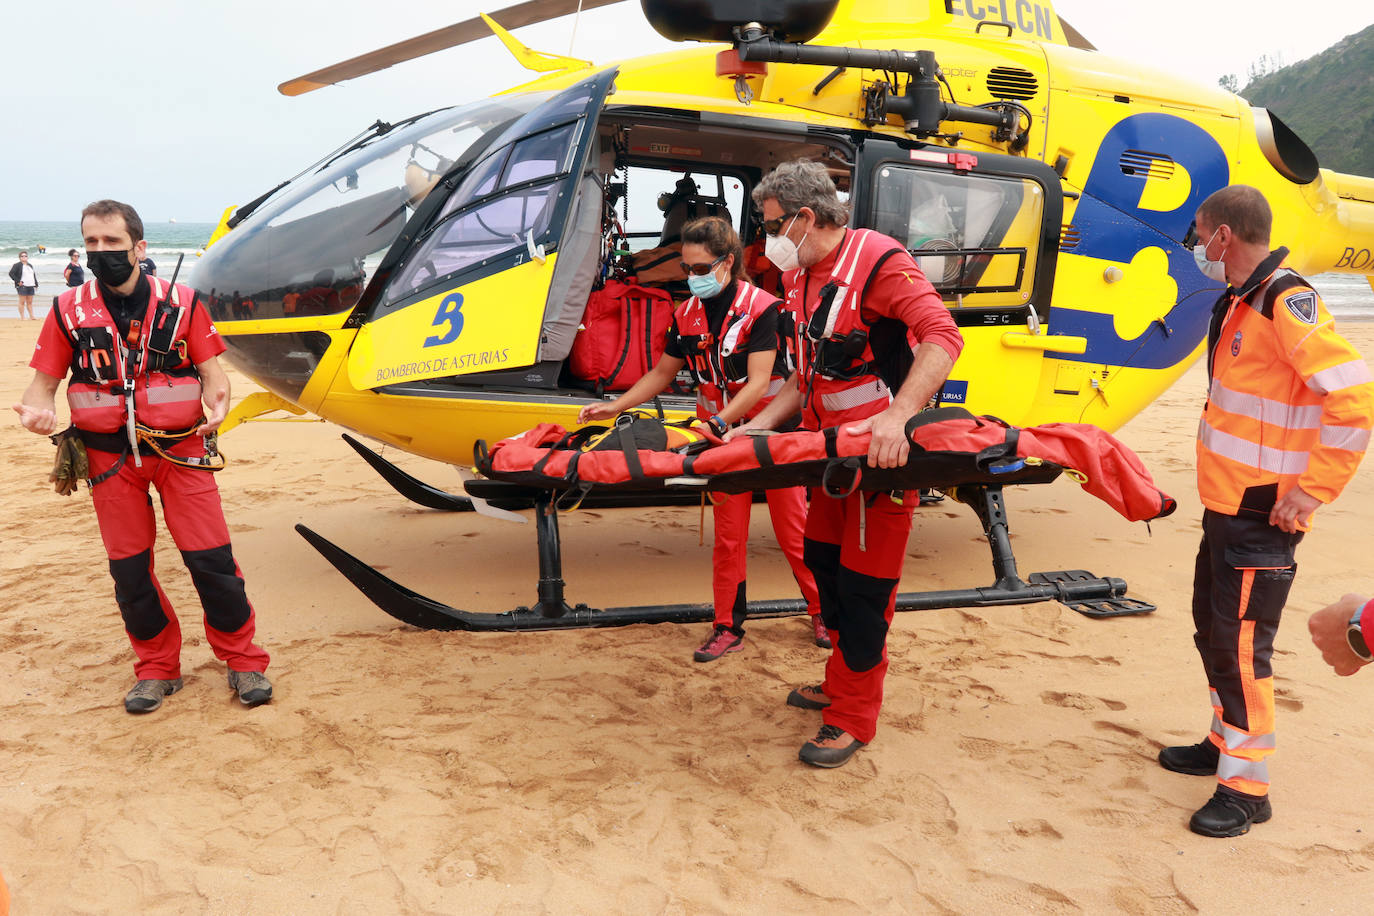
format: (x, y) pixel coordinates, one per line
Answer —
(1289, 409)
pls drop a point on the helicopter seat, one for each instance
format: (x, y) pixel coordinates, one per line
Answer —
(684, 204)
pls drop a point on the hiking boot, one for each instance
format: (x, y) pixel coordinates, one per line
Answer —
(808, 698)
(253, 687)
(717, 644)
(1230, 813)
(832, 747)
(1194, 759)
(147, 694)
(822, 634)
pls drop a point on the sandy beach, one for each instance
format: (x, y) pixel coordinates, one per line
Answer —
(402, 771)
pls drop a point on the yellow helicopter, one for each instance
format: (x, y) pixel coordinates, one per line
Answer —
(426, 284)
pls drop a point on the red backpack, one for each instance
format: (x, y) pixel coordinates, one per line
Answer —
(622, 335)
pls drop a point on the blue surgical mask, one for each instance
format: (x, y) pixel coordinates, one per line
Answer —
(706, 286)
(1212, 270)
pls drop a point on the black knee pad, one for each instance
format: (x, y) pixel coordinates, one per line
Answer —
(220, 589)
(823, 560)
(137, 596)
(863, 631)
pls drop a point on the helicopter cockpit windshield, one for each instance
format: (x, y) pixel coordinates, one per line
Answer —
(312, 248)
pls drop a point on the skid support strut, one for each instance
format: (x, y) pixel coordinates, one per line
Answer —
(1080, 590)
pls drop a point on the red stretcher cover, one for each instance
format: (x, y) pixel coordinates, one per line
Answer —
(949, 447)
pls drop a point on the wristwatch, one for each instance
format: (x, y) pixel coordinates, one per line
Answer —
(1355, 635)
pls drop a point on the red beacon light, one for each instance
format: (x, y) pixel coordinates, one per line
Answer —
(729, 65)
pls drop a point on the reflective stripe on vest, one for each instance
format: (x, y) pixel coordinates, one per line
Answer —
(1334, 378)
(864, 394)
(1291, 418)
(173, 394)
(1266, 410)
(708, 406)
(1251, 454)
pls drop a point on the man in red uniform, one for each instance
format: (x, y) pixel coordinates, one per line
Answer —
(874, 343)
(1289, 410)
(131, 342)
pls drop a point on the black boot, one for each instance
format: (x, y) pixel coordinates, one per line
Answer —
(1230, 813)
(1193, 759)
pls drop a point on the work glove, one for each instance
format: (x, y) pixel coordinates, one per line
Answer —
(71, 466)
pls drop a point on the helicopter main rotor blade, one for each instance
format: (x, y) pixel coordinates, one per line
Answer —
(512, 17)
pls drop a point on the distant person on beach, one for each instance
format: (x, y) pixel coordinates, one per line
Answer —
(148, 266)
(1344, 632)
(1288, 416)
(25, 282)
(73, 273)
(181, 366)
(854, 546)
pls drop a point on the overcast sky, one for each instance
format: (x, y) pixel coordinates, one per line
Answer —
(173, 106)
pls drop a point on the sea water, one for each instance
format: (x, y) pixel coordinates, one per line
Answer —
(1348, 296)
(165, 242)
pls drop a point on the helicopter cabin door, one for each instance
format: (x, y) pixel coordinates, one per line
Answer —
(469, 294)
(984, 229)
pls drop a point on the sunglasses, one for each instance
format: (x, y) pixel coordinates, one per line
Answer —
(774, 226)
(1190, 238)
(701, 270)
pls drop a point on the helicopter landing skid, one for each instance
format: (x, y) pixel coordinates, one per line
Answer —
(1078, 589)
(431, 497)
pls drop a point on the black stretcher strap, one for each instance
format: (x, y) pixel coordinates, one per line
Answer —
(761, 452)
(631, 450)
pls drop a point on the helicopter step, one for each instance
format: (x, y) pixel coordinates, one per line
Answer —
(1078, 589)
(431, 497)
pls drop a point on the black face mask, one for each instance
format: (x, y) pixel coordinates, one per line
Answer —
(110, 267)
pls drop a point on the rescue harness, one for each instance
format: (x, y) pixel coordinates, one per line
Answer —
(118, 378)
(836, 342)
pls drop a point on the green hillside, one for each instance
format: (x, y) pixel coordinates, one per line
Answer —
(1322, 99)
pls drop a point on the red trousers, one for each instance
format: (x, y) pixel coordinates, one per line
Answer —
(731, 516)
(855, 547)
(191, 508)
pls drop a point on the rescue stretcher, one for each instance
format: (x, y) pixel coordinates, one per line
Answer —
(970, 459)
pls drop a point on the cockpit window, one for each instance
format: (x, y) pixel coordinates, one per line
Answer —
(341, 218)
(507, 200)
(521, 174)
(976, 237)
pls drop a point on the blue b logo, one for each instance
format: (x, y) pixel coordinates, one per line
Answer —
(450, 313)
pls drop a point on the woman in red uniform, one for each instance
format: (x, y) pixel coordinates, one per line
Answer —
(726, 335)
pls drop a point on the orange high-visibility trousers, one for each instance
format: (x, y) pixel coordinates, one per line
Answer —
(1245, 568)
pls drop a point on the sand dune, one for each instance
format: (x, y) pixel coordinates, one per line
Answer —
(402, 771)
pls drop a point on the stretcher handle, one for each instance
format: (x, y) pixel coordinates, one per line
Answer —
(854, 465)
